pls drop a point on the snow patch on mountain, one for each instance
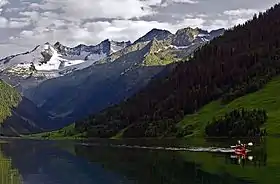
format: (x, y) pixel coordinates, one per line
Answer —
(57, 59)
(44, 58)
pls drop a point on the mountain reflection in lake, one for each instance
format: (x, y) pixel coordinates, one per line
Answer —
(64, 162)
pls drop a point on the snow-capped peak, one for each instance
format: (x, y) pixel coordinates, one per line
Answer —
(56, 60)
(89, 52)
(115, 46)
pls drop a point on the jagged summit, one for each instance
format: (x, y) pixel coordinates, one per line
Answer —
(191, 32)
(187, 36)
(159, 34)
(183, 37)
(91, 52)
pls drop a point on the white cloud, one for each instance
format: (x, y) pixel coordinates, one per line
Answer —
(192, 22)
(90, 33)
(169, 2)
(27, 33)
(224, 23)
(124, 29)
(153, 2)
(184, 1)
(33, 15)
(12, 9)
(18, 22)
(3, 22)
(34, 6)
(241, 12)
(95, 32)
(219, 23)
(239, 21)
(88, 9)
(3, 2)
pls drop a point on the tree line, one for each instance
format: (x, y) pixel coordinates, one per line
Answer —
(238, 123)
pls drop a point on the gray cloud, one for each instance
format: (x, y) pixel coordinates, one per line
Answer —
(27, 23)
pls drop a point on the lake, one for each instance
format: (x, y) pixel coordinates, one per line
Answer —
(137, 162)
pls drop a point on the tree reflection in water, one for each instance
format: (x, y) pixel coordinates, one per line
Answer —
(8, 174)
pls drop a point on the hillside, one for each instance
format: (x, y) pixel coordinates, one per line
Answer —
(19, 115)
(241, 61)
(9, 98)
(267, 98)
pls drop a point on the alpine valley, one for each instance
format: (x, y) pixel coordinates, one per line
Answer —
(54, 85)
(227, 88)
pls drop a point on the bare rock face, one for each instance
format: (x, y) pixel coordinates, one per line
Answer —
(157, 34)
(47, 53)
(188, 36)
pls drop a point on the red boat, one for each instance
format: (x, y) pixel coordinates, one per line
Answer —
(240, 150)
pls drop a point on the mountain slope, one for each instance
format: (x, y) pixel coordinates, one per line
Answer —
(18, 115)
(242, 61)
(266, 98)
(96, 87)
(111, 79)
(9, 98)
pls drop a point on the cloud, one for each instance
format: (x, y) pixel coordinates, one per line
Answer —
(153, 2)
(3, 22)
(3, 2)
(124, 29)
(192, 22)
(12, 9)
(229, 18)
(184, 1)
(26, 23)
(170, 2)
(33, 15)
(18, 22)
(87, 9)
(241, 12)
(95, 32)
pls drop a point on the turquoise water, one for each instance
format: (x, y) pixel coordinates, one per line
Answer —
(137, 161)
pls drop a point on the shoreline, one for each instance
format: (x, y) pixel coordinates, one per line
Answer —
(119, 139)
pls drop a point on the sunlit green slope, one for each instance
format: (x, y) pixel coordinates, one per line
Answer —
(267, 98)
(9, 98)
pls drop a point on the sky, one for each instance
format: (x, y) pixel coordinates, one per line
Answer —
(27, 23)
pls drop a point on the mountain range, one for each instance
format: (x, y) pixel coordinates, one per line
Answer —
(68, 84)
(229, 75)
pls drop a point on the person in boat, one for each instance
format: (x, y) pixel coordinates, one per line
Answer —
(240, 145)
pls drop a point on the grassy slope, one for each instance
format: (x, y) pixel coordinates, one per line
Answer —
(267, 98)
(9, 98)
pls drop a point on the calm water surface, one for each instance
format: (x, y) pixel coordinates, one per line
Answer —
(115, 162)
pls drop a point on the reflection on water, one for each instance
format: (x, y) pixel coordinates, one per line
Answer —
(46, 162)
(256, 158)
(152, 166)
(8, 174)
